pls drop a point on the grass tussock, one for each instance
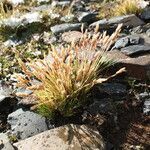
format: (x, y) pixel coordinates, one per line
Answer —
(125, 7)
(68, 73)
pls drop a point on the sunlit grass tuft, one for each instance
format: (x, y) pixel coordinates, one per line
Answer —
(125, 7)
(68, 73)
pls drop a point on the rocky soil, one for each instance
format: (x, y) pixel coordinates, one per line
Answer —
(118, 117)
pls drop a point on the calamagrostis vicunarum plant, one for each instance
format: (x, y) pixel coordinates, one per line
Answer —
(126, 7)
(67, 74)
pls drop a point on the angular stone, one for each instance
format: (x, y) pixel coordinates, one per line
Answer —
(71, 36)
(126, 41)
(86, 17)
(122, 42)
(137, 67)
(135, 49)
(4, 142)
(25, 124)
(65, 27)
(102, 106)
(113, 89)
(134, 39)
(128, 20)
(68, 137)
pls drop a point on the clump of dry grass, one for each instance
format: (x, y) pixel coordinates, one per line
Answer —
(6, 9)
(67, 74)
(125, 7)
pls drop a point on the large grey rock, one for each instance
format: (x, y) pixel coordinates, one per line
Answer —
(4, 142)
(86, 16)
(68, 137)
(135, 49)
(128, 20)
(65, 27)
(25, 124)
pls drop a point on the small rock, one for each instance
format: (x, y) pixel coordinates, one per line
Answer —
(12, 42)
(126, 41)
(28, 101)
(10, 22)
(34, 123)
(71, 36)
(86, 17)
(113, 89)
(62, 3)
(31, 17)
(23, 91)
(25, 19)
(16, 2)
(137, 30)
(47, 38)
(65, 27)
(135, 49)
(68, 18)
(146, 108)
(102, 106)
(4, 142)
(70, 136)
(144, 95)
(134, 39)
(123, 42)
(78, 5)
(42, 1)
(148, 32)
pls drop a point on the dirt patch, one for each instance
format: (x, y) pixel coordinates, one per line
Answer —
(132, 130)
